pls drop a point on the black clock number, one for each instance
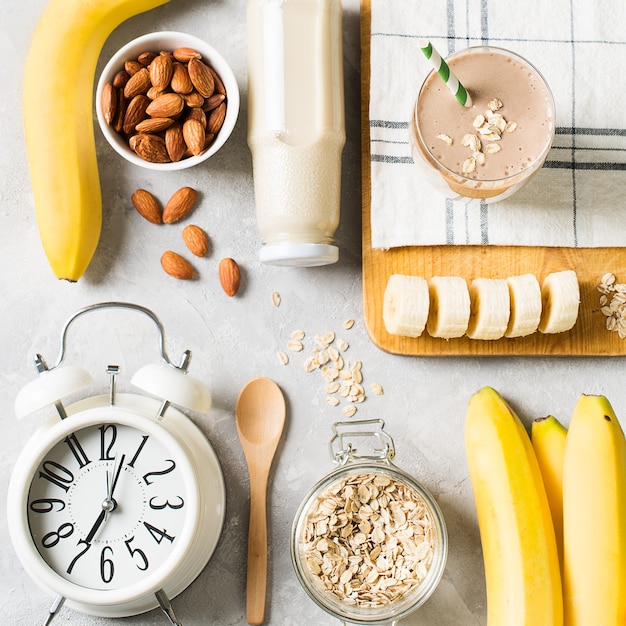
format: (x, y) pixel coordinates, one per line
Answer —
(143, 565)
(77, 450)
(157, 506)
(52, 538)
(144, 439)
(107, 567)
(57, 474)
(47, 505)
(157, 534)
(108, 435)
(75, 559)
(149, 475)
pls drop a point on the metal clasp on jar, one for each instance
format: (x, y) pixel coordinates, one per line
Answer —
(363, 440)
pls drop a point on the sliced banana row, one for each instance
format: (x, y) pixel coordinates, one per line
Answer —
(490, 308)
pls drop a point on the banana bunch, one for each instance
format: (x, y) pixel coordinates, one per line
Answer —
(551, 512)
(60, 143)
(519, 546)
(490, 308)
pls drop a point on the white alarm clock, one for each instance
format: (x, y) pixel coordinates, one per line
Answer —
(117, 502)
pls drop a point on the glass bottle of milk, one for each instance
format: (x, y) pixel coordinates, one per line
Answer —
(296, 127)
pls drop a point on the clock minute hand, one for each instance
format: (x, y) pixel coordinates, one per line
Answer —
(108, 505)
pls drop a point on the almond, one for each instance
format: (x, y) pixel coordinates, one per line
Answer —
(137, 84)
(108, 102)
(147, 206)
(181, 83)
(230, 276)
(161, 71)
(145, 58)
(212, 102)
(193, 133)
(177, 266)
(135, 113)
(201, 77)
(193, 99)
(120, 79)
(196, 113)
(175, 142)
(186, 54)
(167, 105)
(219, 85)
(154, 124)
(179, 205)
(150, 148)
(132, 66)
(216, 119)
(122, 107)
(196, 240)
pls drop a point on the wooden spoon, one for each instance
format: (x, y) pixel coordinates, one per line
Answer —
(260, 414)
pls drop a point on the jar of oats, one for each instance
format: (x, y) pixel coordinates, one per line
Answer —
(368, 542)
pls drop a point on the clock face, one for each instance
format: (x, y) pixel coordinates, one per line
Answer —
(107, 504)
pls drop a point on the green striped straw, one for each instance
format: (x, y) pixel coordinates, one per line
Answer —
(441, 67)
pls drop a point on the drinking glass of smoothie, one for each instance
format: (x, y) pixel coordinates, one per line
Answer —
(490, 149)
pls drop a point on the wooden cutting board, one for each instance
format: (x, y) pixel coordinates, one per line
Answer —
(588, 337)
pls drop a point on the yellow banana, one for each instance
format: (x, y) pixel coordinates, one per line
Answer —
(58, 125)
(594, 516)
(548, 437)
(519, 546)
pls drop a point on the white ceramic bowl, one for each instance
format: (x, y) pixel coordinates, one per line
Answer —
(155, 42)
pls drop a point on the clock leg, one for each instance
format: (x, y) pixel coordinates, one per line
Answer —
(54, 609)
(166, 607)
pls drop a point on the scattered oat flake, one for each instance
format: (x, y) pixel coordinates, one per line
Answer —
(342, 345)
(492, 148)
(332, 400)
(275, 298)
(348, 324)
(445, 138)
(479, 120)
(333, 387)
(295, 346)
(495, 104)
(329, 337)
(298, 335)
(510, 127)
(377, 389)
(613, 304)
(349, 410)
(282, 357)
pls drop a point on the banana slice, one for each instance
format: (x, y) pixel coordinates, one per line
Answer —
(525, 294)
(560, 293)
(449, 307)
(490, 308)
(405, 305)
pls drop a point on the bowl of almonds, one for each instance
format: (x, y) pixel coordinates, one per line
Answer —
(167, 101)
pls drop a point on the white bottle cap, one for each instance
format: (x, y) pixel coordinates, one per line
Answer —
(299, 254)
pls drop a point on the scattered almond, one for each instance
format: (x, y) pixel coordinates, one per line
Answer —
(186, 54)
(181, 83)
(177, 266)
(216, 119)
(135, 113)
(230, 276)
(196, 240)
(179, 205)
(147, 206)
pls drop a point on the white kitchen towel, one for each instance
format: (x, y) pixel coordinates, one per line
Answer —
(578, 199)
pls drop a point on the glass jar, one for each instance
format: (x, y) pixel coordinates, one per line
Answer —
(346, 568)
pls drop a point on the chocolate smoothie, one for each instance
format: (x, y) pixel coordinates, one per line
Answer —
(491, 148)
